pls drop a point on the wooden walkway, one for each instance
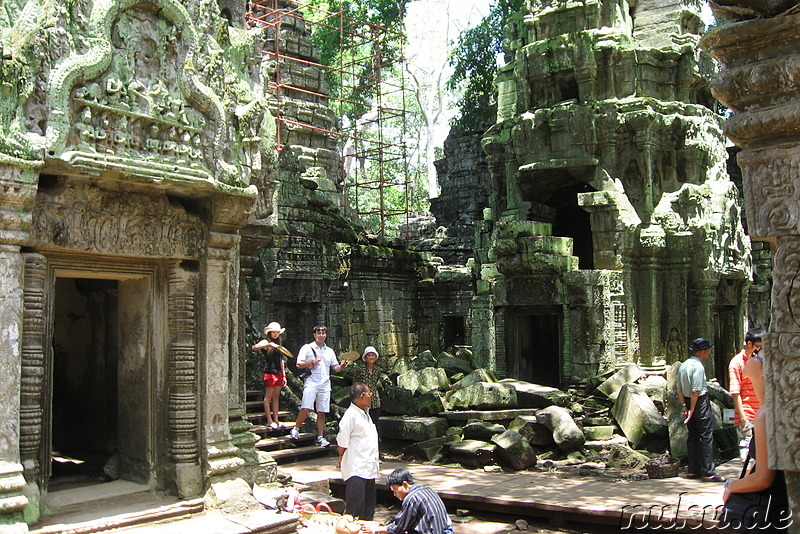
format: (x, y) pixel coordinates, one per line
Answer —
(676, 504)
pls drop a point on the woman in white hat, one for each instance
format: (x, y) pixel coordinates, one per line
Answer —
(370, 375)
(274, 371)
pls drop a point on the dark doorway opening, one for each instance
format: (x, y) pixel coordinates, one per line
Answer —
(573, 221)
(534, 347)
(85, 420)
(727, 342)
(453, 331)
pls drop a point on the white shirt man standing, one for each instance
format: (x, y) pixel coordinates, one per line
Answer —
(357, 445)
(319, 359)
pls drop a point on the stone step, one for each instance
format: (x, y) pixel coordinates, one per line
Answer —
(286, 456)
(264, 431)
(254, 416)
(274, 443)
(116, 512)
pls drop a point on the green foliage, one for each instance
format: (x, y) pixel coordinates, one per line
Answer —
(369, 48)
(474, 61)
(350, 35)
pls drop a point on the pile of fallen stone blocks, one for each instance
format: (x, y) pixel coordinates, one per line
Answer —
(441, 409)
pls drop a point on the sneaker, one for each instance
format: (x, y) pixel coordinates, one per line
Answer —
(714, 478)
(322, 442)
(294, 434)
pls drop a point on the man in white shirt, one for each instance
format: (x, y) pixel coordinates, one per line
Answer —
(319, 359)
(357, 445)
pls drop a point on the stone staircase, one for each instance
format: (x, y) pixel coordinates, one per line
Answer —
(277, 442)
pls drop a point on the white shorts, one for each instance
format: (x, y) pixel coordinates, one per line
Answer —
(320, 393)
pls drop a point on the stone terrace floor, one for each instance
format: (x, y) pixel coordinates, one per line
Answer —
(676, 504)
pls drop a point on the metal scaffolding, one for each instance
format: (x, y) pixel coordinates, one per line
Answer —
(370, 107)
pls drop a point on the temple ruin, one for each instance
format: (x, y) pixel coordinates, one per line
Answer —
(151, 228)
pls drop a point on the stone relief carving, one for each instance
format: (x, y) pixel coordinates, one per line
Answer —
(135, 111)
(81, 218)
(136, 87)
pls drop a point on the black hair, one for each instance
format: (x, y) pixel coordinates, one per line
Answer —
(754, 335)
(318, 328)
(357, 390)
(398, 476)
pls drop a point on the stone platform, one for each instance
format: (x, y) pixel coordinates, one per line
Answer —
(676, 504)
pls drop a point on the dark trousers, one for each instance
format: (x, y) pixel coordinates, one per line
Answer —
(359, 497)
(375, 414)
(700, 444)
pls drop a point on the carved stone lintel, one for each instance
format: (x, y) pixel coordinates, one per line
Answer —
(89, 219)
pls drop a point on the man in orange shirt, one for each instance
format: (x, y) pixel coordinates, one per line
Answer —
(745, 400)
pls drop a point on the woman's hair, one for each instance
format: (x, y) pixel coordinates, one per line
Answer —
(398, 476)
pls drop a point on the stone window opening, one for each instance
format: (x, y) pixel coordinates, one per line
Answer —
(567, 87)
(453, 332)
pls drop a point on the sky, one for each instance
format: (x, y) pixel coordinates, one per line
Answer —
(433, 24)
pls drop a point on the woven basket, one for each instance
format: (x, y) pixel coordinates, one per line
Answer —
(319, 519)
(664, 467)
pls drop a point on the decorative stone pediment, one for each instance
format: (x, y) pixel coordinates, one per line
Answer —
(78, 218)
(134, 90)
(131, 96)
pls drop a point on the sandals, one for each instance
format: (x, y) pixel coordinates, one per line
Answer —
(691, 476)
(715, 478)
(274, 426)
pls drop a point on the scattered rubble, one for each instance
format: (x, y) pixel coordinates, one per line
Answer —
(440, 409)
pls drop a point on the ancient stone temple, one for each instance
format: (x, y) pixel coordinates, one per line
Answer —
(758, 44)
(613, 232)
(131, 143)
(309, 260)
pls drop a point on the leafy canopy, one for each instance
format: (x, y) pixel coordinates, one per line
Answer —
(474, 61)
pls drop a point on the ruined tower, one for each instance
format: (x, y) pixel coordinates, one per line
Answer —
(614, 234)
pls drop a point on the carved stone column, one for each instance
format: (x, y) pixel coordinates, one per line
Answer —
(759, 81)
(701, 323)
(646, 277)
(17, 190)
(218, 277)
(182, 380)
(32, 383)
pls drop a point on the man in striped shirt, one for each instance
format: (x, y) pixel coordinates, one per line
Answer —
(423, 512)
(745, 400)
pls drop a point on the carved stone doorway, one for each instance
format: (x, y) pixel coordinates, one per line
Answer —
(534, 347)
(101, 379)
(85, 368)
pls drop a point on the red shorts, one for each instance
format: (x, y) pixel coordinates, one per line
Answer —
(273, 381)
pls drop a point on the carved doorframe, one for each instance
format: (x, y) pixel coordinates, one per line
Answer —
(144, 278)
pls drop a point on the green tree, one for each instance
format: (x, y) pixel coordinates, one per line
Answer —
(474, 62)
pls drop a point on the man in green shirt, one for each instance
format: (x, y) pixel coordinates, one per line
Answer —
(693, 394)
